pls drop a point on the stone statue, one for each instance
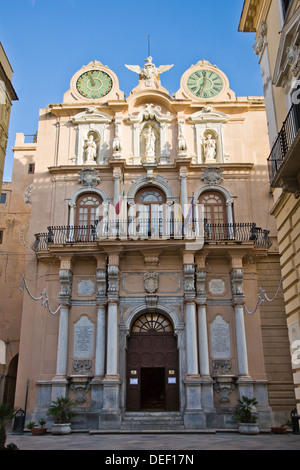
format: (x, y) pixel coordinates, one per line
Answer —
(209, 145)
(149, 72)
(150, 142)
(90, 150)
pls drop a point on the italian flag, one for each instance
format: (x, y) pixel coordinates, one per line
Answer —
(119, 203)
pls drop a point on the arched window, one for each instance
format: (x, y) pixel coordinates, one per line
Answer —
(152, 323)
(87, 205)
(149, 203)
(214, 207)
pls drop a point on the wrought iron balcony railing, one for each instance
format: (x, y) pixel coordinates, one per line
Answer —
(284, 141)
(153, 230)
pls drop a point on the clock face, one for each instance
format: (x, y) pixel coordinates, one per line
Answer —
(94, 84)
(205, 83)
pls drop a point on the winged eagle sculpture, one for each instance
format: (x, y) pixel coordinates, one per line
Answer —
(149, 71)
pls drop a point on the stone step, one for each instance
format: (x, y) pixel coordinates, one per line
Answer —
(152, 421)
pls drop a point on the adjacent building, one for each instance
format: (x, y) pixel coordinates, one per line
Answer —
(7, 96)
(151, 283)
(277, 45)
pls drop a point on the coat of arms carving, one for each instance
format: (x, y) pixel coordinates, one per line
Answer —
(151, 281)
(89, 177)
(212, 175)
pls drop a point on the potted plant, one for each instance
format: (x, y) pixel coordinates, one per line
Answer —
(6, 414)
(62, 413)
(246, 416)
(279, 429)
(37, 430)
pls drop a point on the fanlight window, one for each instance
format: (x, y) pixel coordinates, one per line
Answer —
(150, 211)
(150, 195)
(152, 323)
(87, 209)
(214, 208)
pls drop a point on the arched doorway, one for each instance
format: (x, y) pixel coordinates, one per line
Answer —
(10, 382)
(152, 365)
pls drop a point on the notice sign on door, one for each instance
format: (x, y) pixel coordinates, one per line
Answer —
(134, 381)
(171, 380)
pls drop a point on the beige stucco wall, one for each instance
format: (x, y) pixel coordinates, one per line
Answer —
(14, 221)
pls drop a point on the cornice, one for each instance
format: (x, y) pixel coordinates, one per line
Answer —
(254, 11)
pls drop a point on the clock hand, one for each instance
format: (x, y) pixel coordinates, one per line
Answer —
(203, 86)
(92, 80)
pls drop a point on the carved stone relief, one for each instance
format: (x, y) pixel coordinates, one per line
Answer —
(28, 194)
(151, 282)
(212, 175)
(89, 177)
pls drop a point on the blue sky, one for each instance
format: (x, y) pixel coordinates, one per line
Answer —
(47, 41)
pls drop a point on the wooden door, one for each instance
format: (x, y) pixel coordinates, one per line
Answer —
(152, 369)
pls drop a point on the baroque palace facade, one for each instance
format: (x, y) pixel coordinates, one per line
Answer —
(149, 240)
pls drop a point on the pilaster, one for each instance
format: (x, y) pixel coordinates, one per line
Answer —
(194, 416)
(244, 382)
(207, 382)
(110, 416)
(59, 382)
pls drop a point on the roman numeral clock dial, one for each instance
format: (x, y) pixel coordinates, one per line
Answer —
(205, 84)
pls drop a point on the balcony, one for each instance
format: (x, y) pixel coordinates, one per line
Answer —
(152, 230)
(284, 160)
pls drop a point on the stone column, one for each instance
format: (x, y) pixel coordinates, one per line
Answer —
(238, 303)
(207, 382)
(112, 340)
(191, 337)
(100, 341)
(244, 382)
(59, 382)
(193, 417)
(101, 300)
(110, 416)
(72, 210)
(117, 179)
(183, 189)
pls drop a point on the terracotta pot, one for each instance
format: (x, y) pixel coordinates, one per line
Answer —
(279, 430)
(38, 431)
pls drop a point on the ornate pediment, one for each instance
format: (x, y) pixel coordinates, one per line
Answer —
(208, 114)
(91, 114)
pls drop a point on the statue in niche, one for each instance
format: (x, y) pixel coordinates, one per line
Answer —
(150, 142)
(90, 150)
(209, 145)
